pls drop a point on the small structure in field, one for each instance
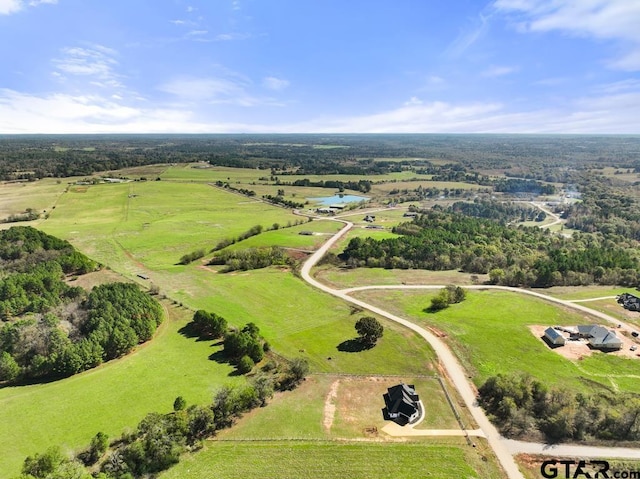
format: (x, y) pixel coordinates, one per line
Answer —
(402, 404)
(369, 218)
(553, 337)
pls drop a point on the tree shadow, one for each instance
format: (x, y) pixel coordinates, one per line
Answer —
(353, 346)
(190, 331)
(221, 358)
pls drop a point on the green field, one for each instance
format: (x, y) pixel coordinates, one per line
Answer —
(328, 460)
(152, 224)
(39, 195)
(110, 398)
(357, 405)
(349, 278)
(489, 334)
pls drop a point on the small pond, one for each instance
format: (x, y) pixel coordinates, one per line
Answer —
(338, 199)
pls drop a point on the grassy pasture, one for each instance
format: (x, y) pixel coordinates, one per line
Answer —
(408, 184)
(40, 195)
(291, 237)
(300, 321)
(155, 223)
(348, 278)
(293, 432)
(328, 460)
(110, 398)
(489, 334)
(339, 407)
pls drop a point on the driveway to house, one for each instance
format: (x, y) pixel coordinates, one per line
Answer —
(503, 448)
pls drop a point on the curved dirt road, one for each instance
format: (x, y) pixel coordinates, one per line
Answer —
(503, 448)
(449, 362)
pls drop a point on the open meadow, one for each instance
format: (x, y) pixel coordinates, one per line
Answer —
(327, 425)
(110, 398)
(144, 227)
(489, 333)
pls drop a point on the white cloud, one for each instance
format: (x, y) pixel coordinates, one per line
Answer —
(197, 33)
(58, 113)
(498, 71)
(608, 109)
(276, 84)
(96, 61)
(202, 89)
(601, 19)
(227, 37)
(414, 100)
(469, 36)
(7, 7)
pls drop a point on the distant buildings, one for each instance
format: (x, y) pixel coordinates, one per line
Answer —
(629, 301)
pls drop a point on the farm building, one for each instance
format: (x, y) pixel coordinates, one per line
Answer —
(629, 301)
(553, 337)
(599, 337)
(401, 404)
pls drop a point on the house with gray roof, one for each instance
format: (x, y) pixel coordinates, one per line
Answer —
(402, 404)
(553, 337)
(599, 337)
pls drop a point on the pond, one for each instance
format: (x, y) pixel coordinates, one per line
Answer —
(338, 199)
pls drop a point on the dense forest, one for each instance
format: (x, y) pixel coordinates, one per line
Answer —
(50, 329)
(548, 158)
(523, 256)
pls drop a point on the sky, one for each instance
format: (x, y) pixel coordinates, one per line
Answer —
(325, 66)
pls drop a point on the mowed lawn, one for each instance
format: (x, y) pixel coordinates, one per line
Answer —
(489, 333)
(334, 460)
(110, 398)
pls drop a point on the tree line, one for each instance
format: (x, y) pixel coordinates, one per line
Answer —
(520, 404)
(522, 256)
(251, 258)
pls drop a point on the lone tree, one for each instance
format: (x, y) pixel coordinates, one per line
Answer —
(369, 329)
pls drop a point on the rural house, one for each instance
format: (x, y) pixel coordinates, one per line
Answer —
(629, 301)
(599, 337)
(402, 404)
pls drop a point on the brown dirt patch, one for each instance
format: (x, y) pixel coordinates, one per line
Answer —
(330, 406)
(90, 280)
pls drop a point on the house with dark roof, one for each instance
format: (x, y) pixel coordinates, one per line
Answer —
(553, 337)
(402, 404)
(629, 301)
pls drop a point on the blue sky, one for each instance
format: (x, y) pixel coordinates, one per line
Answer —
(407, 66)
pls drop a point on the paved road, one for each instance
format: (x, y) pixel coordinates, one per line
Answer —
(503, 448)
(570, 450)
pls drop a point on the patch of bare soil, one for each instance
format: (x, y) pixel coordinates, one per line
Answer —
(330, 406)
(90, 280)
(579, 349)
